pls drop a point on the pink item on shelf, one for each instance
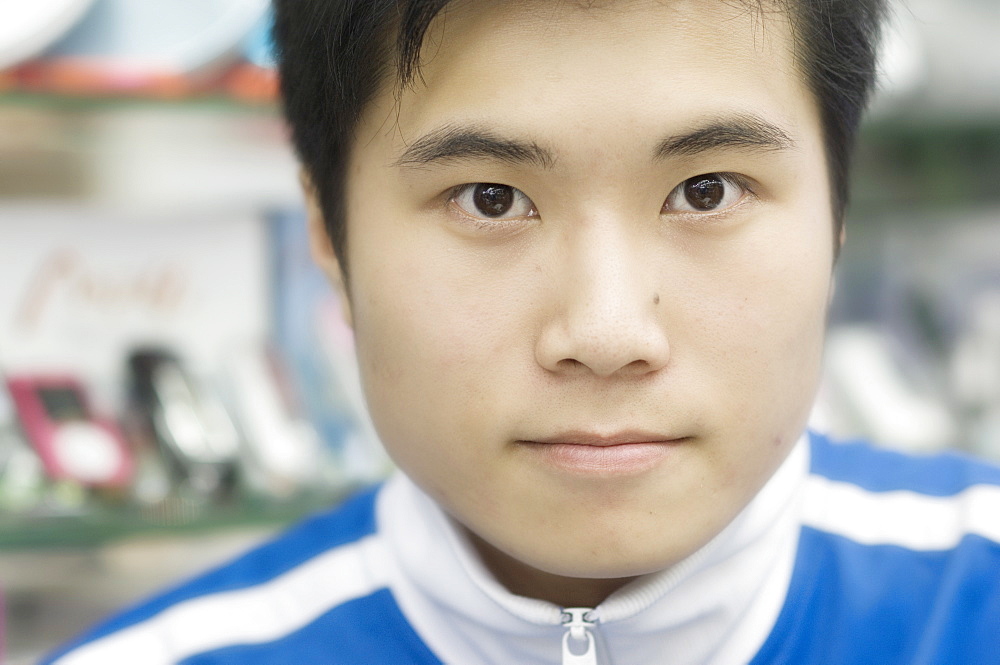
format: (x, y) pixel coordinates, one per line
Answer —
(72, 442)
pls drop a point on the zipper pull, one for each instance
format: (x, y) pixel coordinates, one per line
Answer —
(578, 622)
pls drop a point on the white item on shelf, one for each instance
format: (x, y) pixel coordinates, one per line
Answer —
(28, 28)
(87, 452)
(283, 452)
(869, 394)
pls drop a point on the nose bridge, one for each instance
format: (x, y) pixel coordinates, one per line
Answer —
(605, 267)
(607, 318)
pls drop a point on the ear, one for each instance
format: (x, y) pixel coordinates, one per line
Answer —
(320, 247)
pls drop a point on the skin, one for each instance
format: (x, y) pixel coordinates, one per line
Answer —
(603, 308)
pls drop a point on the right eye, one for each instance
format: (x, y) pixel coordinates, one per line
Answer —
(493, 201)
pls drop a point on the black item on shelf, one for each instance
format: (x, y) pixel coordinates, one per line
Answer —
(192, 429)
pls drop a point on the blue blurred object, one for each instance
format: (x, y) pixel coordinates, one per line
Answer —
(258, 47)
(300, 291)
(310, 334)
(179, 36)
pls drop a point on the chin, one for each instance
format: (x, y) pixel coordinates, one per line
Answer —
(617, 570)
(597, 560)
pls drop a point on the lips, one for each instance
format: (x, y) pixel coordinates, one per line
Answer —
(581, 438)
(626, 453)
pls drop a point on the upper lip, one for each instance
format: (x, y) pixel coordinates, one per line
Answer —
(582, 438)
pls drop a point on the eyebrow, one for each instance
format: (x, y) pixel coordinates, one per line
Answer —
(470, 142)
(745, 131)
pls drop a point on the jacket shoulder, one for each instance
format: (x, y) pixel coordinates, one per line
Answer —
(881, 470)
(316, 593)
(897, 561)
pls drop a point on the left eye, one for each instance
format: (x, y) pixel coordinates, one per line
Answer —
(705, 193)
(493, 201)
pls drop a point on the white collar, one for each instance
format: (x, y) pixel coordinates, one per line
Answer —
(715, 607)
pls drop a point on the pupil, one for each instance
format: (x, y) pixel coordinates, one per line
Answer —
(494, 200)
(705, 192)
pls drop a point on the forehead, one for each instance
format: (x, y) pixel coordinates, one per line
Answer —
(576, 67)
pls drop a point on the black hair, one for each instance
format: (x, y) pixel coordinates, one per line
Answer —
(335, 55)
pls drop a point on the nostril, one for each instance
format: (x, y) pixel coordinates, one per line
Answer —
(569, 364)
(636, 367)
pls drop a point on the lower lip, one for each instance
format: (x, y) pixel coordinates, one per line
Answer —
(626, 459)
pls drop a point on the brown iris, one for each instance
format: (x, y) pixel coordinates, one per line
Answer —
(705, 192)
(493, 200)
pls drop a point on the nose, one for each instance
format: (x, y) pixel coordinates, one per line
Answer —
(607, 317)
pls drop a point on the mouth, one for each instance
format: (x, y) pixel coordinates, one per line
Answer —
(626, 453)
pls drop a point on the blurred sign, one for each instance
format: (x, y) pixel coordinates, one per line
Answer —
(81, 288)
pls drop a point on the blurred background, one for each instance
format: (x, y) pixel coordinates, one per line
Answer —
(176, 380)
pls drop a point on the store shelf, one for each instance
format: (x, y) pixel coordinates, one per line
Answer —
(99, 526)
(145, 156)
(52, 595)
(926, 163)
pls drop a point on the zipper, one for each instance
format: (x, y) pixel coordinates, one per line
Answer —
(578, 644)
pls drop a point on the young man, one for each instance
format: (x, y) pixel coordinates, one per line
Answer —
(587, 251)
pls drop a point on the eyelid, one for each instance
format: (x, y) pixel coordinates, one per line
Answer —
(747, 185)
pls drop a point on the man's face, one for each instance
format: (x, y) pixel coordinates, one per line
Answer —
(596, 361)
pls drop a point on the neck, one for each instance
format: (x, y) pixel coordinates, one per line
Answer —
(524, 580)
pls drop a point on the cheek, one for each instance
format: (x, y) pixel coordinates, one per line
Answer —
(434, 342)
(760, 316)
(429, 321)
